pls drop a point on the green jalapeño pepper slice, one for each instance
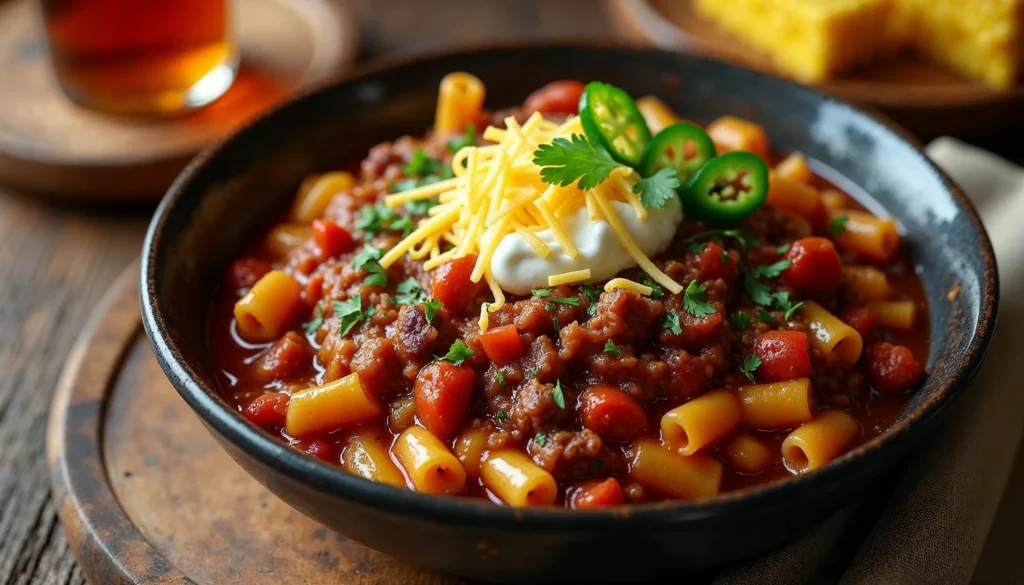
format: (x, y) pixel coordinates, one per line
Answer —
(610, 119)
(683, 147)
(728, 189)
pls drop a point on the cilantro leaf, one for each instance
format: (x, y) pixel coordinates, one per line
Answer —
(420, 165)
(759, 292)
(403, 185)
(765, 317)
(590, 291)
(693, 301)
(558, 395)
(378, 276)
(656, 291)
(409, 292)
(315, 322)
(545, 293)
(740, 321)
(458, 353)
(837, 225)
(744, 238)
(350, 313)
(563, 161)
(501, 380)
(611, 349)
(421, 206)
(534, 372)
(541, 292)
(540, 438)
(431, 307)
(784, 303)
(784, 248)
(467, 139)
(672, 323)
(657, 190)
(501, 415)
(367, 254)
(750, 365)
(770, 270)
(374, 219)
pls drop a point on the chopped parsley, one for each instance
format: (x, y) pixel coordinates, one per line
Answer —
(750, 365)
(740, 321)
(501, 381)
(784, 248)
(672, 323)
(656, 291)
(744, 238)
(759, 292)
(467, 139)
(558, 395)
(367, 254)
(593, 294)
(420, 165)
(657, 190)
(784, 303)
(540, 439)
(409, 292)
(350, 313)
(458, 353)
(315, 322)
(611, 349)
(420, 206)
(837, 225)
(766, 317)
(374, 219)
(431, 307)
(501, 415)
(694, 303)
(545, 293)
(378, 276)
(772, 270)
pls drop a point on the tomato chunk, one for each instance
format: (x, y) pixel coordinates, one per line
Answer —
(451, 285)
(784, 355)
(713, 262)
(557, 97)
(331, 238)
(267, 411)
(892, 368)
(612, 414)
(731, 133)
(321, 450)
(860, 318)
(442, 395)
(502, 344)
(244, 272)
(597, 493)
(815, 267)
(697, 330)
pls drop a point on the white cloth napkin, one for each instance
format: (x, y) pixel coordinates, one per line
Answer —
(934, 522)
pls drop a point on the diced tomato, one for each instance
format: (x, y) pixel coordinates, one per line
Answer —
(502, 344)
(442, 397)
(697, 330)
(557, 97)
(451, 284)
(730, 133)
(815, 267)
(597, 493)
(244, 272)
(314, 288)
(892, 368)
(321, 450)
(712, 264)
(331, 238)
(612, 414)
(860, 318)
(267, 411)
(784, 355)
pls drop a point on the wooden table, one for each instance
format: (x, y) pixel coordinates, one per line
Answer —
(56, 262)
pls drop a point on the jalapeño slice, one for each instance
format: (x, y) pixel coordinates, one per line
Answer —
(683, 147)
(610, 119)
(728, 189)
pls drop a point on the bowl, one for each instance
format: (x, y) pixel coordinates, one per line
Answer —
(227, 191)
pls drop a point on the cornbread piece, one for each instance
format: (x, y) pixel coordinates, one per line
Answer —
(981, 39)
(811, 40)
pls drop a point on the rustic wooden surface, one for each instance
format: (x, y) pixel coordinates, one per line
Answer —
(56, 261)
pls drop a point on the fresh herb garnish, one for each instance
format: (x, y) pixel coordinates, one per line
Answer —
(558, 395)
(378, 276)
(420, 165)
(315, 322)
(724, 257)
(534, 372)
(458, 353)
(409, 292)
(750, 365)
(765, 317)
(657, 190)
(837, 225)
(740, 321)
(421, 206)
(593, 295)
(770, 270)
(784, 248)
(501, 415)
(672, 323)
(501, 380)
(563, 161)
(759, 292)
(610, 348)
(431, 307)
(367, 254)
(374, 219)
(693, 301)
(656, 291)
(784, 303)
(555, 323)
(349, 313)
(467, 139)
(540, 439)
(545, 293)
(744, 238)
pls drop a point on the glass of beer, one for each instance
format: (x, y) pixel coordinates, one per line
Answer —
(142, 57)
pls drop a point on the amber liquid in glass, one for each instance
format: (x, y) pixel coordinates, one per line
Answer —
(141, 57)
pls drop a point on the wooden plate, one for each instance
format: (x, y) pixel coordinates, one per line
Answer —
(147, 496)
(923, 96)
(49, 144)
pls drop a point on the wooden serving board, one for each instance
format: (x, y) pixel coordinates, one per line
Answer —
(51, 145)
(924, 97)
(147, 496)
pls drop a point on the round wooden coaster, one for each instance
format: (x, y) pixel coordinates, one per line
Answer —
(146, 495)
(924, 97)
(49, 144)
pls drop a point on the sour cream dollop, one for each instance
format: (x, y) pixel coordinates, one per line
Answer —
(518, 269)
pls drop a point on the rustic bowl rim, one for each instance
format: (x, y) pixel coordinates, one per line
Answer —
(333, 480)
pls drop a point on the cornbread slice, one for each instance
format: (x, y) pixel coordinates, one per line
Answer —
(811, 40)
(981, 39)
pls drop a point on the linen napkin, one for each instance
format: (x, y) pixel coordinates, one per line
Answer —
(929, 523)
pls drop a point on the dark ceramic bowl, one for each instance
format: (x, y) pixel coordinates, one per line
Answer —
(226, 192)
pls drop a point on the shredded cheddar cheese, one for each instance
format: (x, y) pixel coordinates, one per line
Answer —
(569, 277)
(627, 284)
